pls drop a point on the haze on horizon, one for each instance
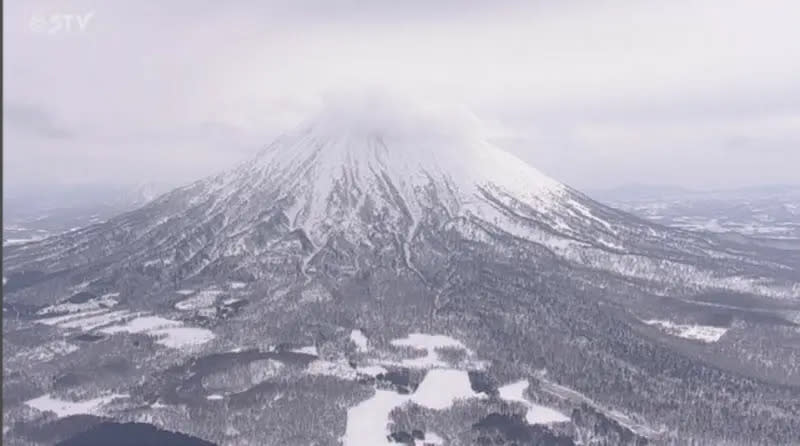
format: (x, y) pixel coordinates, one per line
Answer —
(595, 94)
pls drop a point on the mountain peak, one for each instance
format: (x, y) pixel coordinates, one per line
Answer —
(395, 119)
(395, 155)
(411, 142)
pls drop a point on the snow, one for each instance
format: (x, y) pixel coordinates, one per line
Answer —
(104, 301)
(536, 414)
(20, 241)
(237, 285)
(324, 173)
(422, 341)
(702, 333)
(310, 350)
(428, 343)
(48, 351)
(59, 348)
(58, 320)
(361, 342)
(371, 370)
(99, 320)
(215, 397)
(576, 397)
(180, 337)
(441, 388)
(202, 299)
(339, 369)
(367, 422)
(167, 332)
(587, 213)
(369, 141)
(63, 408)
(432, 439)
(142, 324)
(185, 292)
(88, 319)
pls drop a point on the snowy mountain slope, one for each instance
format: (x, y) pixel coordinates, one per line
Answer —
(393, 221)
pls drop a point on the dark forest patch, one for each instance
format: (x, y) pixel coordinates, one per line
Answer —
(131, 434)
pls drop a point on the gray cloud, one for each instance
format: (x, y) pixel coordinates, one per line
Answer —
(703, 94)
(34, 120)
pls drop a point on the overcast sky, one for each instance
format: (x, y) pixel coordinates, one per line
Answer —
(595, 93)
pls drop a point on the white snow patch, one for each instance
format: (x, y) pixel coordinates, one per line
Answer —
(99, 320)
(202, 299)
(430, 438)
(215, 397)
(441, 388)
(142, 324)
(48, 351)
(703, 333)
(62, 408)
(310, 350)
(536, 414)
(61, 347)
(167, 332)
(428, 343)
(185, 292)
(422, 341)
(104, 301)
(367, 422)
(586, 212)
(237, 285)
(179, 337)
(361, 341)
(371, 370)
(58, 320)
(340, 369)
(21, 241)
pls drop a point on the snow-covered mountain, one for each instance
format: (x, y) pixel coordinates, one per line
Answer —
(375, 223)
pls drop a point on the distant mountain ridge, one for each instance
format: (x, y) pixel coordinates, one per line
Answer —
(36, 213)
(629, 192)
(769, 215)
